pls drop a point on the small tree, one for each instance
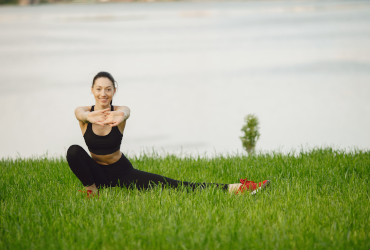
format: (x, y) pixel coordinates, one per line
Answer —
(251, 133)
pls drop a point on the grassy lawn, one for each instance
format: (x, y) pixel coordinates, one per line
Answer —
(318, 199)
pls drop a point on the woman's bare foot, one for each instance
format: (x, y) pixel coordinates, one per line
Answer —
(91, 191)
(93, 188)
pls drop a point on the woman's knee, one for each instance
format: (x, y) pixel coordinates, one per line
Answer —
(74, 151)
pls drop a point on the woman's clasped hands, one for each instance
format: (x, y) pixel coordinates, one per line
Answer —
(106, 117)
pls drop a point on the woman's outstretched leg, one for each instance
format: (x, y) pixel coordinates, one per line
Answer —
(143, 180)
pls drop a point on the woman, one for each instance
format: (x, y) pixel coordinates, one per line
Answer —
(102, 126)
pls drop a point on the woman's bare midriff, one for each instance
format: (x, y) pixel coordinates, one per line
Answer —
(107, 159)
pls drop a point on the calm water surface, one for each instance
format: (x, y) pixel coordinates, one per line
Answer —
(190, 72)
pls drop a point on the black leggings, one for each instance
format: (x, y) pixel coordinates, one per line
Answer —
(120, 173)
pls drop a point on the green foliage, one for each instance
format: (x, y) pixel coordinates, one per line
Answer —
(251, 133)
(8, 2)
(318, 199)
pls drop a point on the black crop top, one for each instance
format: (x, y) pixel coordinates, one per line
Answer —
(103, 145)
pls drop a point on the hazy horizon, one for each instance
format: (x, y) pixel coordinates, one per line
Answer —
(190, 72)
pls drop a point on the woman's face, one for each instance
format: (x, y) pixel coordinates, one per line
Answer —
(103, 91)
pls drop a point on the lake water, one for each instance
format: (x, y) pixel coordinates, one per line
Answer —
(189, 72)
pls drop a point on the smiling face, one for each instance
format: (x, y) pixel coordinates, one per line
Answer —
(103, 91)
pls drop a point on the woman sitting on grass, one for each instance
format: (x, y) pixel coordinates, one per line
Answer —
(102, 126)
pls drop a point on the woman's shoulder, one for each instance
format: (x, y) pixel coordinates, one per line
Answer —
(115, 108)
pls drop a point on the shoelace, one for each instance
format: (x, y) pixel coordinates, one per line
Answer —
(249, 185)
(245, 181)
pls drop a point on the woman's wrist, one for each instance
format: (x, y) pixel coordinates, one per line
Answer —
(85, 117)
(126, 113)
(122, 113)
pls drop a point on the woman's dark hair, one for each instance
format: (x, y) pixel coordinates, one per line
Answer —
(106, 75)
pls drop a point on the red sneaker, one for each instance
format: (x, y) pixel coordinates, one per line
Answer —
(252, 186)
(89, 193)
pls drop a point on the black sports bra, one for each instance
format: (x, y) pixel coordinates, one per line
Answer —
(103, 145)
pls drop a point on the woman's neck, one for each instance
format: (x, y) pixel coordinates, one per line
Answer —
(100, 107)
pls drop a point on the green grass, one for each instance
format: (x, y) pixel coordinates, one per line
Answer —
(319, 199)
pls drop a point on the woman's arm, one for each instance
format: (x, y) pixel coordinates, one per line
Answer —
(84, 115)
(118, 116)
(125, 110)
(81, 113)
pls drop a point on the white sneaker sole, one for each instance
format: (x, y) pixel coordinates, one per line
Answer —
(261, 188)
